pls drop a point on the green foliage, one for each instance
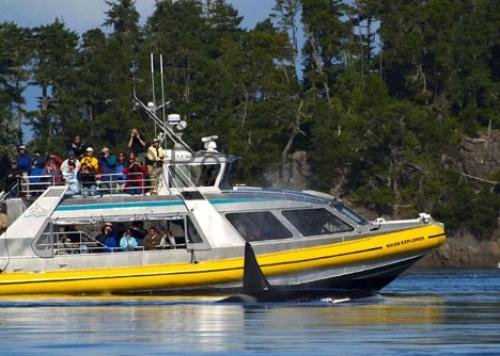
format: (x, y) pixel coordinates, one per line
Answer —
(380, 96)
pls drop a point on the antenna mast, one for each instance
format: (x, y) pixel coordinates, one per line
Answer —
(153, 84)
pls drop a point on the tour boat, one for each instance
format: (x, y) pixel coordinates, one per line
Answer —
(302, 243)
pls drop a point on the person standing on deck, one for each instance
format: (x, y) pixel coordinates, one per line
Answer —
(12, 179)
(71, 157)
(90, 160)
(155, 157)
(137, 145)
(77, 146)
(24, 161)
(107, 162)
(71, 179)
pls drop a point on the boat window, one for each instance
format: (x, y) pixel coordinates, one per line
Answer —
(351, 214)
(258, 226)
(199, 175)
(192, 234)
(316, 221)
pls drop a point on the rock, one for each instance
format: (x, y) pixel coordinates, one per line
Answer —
(480, 157)
(463, 250)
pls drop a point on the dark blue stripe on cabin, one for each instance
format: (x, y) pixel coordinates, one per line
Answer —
(149, 204)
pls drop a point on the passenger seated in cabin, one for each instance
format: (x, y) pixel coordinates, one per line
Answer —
(139, 232)
(135, 173)
(152, 239)
(90, 160)
(71, 178)
(65, 246)
(121, 176)
(107, 238)
(72, 233)
(82, 248)
(128, 241)
(87, 177)
(107, 162)
(71, 157)
(168, 240)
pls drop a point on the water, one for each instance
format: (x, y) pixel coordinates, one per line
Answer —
(443, 312)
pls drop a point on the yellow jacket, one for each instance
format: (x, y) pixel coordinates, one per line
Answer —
(90, 161)
(155, 154)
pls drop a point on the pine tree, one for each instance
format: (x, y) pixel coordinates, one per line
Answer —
(54, 71)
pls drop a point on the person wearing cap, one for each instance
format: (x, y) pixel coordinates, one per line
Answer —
(107, 237)
(71, 157)
(107, 162)
(155, 157)
(23, 160)
(89, 159)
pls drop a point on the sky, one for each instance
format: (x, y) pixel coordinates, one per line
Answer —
(82, 15)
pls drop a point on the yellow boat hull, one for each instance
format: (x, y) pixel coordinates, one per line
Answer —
(203, 275)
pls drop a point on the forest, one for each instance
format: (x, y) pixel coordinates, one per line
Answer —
(379, 95)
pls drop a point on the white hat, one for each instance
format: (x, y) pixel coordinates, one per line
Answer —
(89, 149)
(22, 147)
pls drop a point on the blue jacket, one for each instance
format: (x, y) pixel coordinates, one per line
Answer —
(108, 166)
(24, 163)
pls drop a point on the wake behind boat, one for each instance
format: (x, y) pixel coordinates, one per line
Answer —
(306, 243)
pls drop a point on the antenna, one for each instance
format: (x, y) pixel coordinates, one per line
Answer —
(162, 89)
(153, 84)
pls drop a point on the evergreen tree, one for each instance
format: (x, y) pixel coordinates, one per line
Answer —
(54, 71)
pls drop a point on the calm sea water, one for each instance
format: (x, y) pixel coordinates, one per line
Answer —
(441, 312)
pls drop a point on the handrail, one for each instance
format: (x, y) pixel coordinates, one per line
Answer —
(91, 245)
(35, 185)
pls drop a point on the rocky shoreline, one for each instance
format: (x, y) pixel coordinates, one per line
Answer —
(463, 250)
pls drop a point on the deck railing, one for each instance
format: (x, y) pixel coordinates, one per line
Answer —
(106, 184)
(81, 243)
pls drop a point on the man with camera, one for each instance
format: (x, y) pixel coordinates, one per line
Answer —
(155, 157)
